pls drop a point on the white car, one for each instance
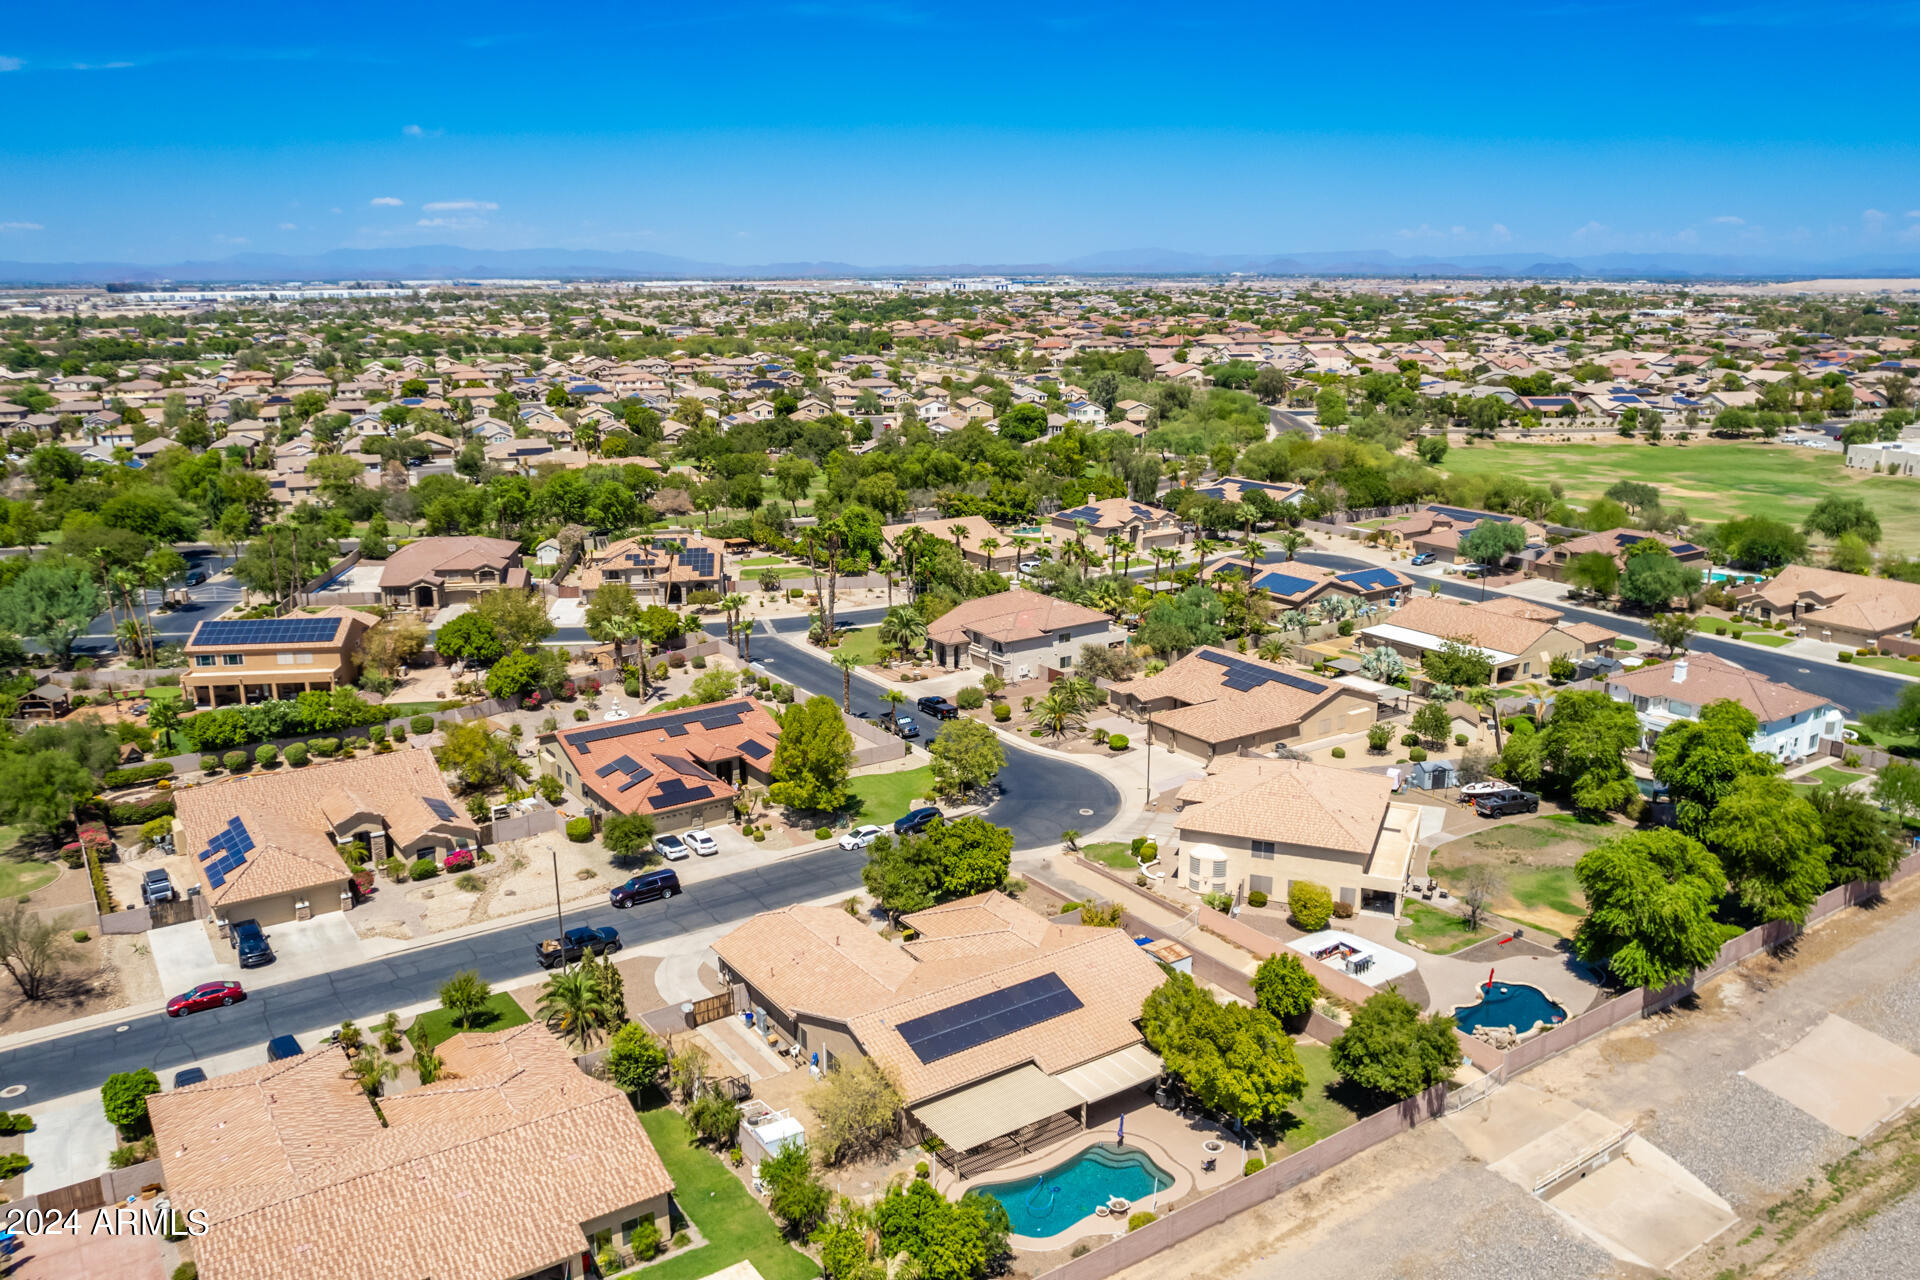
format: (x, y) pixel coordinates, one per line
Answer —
(672, 848)
(701, 843)
(1029, 566)
(861, 837)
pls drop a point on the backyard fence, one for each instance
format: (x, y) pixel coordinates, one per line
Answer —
(111, 1187)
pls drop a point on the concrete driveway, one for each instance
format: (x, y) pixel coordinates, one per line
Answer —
(70, 1142)
(183, 956)
(304, 948)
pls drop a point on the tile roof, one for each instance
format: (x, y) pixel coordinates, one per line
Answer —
(288, 1160)
(977, 529)
(1213, 712)
(655, 764)
(1501, 630)
(1873, 606)
(1288, 801)
(1018, 614)
(418, 561)
(1701, 678)
(1113, 513)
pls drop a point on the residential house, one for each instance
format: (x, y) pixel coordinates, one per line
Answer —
(660, 568)
(435, 572)
(1793, 722)
(1139, 525)
(235, 662)
(1436, 529)
(286, 1160)
(1257, 824)
(1018, 634)
(1519, 637)
(681, 768)
(1213, 703)
(975, 533)
(1615, 543)
(265, 846)
(1844, 608)
(1236, 489)
(999, 1028)
(1292, 584)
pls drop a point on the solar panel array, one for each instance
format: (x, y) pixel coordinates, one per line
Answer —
(971, 1023)
(228, 851)
(680, 764)
(269, 631)
(1461, 513)
(438, 808)
(1368, 579)
(674, 792)
(1244, 676)
(721, 715)
(699, 559)
(1283, 584)
(755, 749)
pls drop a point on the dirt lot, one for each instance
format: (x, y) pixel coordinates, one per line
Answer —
(1535, 859)
(1809, 1200)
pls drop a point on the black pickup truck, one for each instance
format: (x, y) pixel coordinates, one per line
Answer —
(575, 944)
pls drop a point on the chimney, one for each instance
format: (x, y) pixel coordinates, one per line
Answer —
(1680, 671)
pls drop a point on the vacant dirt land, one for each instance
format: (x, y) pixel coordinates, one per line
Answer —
(1535, 860)
(1808, 1199)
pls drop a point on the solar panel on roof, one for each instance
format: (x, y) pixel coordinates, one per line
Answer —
(624, 764)
(674, 792)
(269, 631)
(438, 808)
(971, 1023)
(1244, 676)
(755, 749)
(719, 715)
(1283, 584)
(637, 775)
(215, 878)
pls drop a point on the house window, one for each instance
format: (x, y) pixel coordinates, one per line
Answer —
(1263, 848)
(1260, 884)
(233, 659)
(203, 659)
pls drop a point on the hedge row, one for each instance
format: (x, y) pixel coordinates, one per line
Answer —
(137, 774)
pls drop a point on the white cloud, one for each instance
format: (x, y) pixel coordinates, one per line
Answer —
(9, 64)
(455, 224)
(21, 226)
(1873, 220)
(1913, 213)
(416, 131)
(387, 202)
(1500, 233)
(1591, 231)
(452, 206)
(220, 239)
(288, 226)
(1730, 220)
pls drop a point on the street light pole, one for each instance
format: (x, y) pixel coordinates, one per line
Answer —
(559, 919)
(1149, 759)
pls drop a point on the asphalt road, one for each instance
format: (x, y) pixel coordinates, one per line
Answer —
(365, 992)
(1856, 689)
(1041, 793)
(173, 626)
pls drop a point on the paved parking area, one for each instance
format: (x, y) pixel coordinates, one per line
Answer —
(1643, 1207)
(70, 1141)
(1842, 1075)
(188, 954)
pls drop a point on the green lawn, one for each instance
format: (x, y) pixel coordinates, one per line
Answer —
(863, 643)
(1826, 775)
(1112, 853)
(761, 562)
(1771, 639)
(1438, 931)
(502, 1011)
(1887, 662)
(21, 875)
(735, 1225)
(1324, 1109)
(1747, 478)
(1546, 888)
(1624, 645)
(886, 796)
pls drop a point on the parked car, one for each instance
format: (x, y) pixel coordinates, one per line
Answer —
(156, 886)
(188, 1075)
(672, 848)
(208, 995)
(196, 576)
(861, 837)
(283, 1047)
(905, 727)
(1425, 557)
(250, 944)
(937, 707)
(575, 943)
(918, 820)
(1502, 803)
(701, 843)
(1029, 566)
(645, 887)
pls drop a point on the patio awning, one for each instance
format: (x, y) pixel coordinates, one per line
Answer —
(1009, 1101)
(1111, 1073)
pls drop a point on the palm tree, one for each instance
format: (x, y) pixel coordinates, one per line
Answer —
(1486, 699)
(734, 605)
(990, 545)
(426, 1063)
(371, 1069)
(957, 532)
(1115, 545)
(1162, 557)
(903, 628)
(893, 698)
(1058, 713)
(577, 1006)
(1077, 690)
(1291, 541)
(847, 663)
(1273, 650)
(1108, 596)
(1080, 544)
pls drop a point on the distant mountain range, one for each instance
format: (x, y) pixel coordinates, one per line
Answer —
(453, 262)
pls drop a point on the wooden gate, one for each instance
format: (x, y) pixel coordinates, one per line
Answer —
(175, 911)
(78, 1197)
(713, 1008)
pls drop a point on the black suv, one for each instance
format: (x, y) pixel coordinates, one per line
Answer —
(937, 707)
(250, 944)
(645, 887)
(918, 820)
(1502, 803)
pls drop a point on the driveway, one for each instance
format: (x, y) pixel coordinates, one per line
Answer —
(70, 1142)
(183, 956)
(188, 954)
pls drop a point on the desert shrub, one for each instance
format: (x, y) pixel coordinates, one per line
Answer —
(209, 763)
(1002, 712)
(1343, 911)
(421, 724)
(582, 714)
(1409, 739)
(297, 754)
(235, 761)
(1253, 1166)
(378, 733)
(579, 830)
(1117, 741)
(423, 869)
(395, 869)
(1310, 904)
(823, 833)
(970, 698)
(266, 755)
(1141, 1219)
(1256, 898)
(470, 882)
(1459, 739)
(137, 774)
(1845, 656)
(1338, 753)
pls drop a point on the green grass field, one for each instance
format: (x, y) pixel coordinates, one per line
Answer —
(1439, 932)
(1712, 480)
(20, 875)
(886, 796)
(1327, 1107)
(1771, 639)
(1826, 776)
(1111, 853)
(736, 1227)
(1887, 662)
(863, 643)
(502, 1011)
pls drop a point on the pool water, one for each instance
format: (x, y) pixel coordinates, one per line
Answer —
(1050, 1202)
(1509, 1004)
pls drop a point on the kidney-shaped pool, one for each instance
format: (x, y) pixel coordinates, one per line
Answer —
(1047, 1203)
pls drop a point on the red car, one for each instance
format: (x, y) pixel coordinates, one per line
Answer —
(208, 995)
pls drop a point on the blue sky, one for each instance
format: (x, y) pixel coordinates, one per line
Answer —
(944, 133)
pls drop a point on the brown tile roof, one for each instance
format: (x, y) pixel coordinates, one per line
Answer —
(977, 529)
(1110, 514)
(419, 561)
(1211, 712)
(1012, 615)
(1701, 678)
(652, 744)
(1494, 629)
(291, 815)
(1874, 606)
(288, 1159)
(641, 553)
(1288, 801)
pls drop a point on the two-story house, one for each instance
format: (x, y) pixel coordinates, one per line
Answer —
(435, 572)
(1140, 525)
(234, 662)
(1018, 634)
(658, 568)
(1793, 722)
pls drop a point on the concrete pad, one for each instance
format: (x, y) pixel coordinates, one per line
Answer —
(678, 977)
(1844, 1076)
(183, 956)
(70, 1142)
(1643, 1207)
(1506, 1120)
(1388, 964)
(1551, 1152)
(305, 948)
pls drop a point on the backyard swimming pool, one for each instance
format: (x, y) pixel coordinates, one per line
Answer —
(1509, 1004)
(1048, 1203)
